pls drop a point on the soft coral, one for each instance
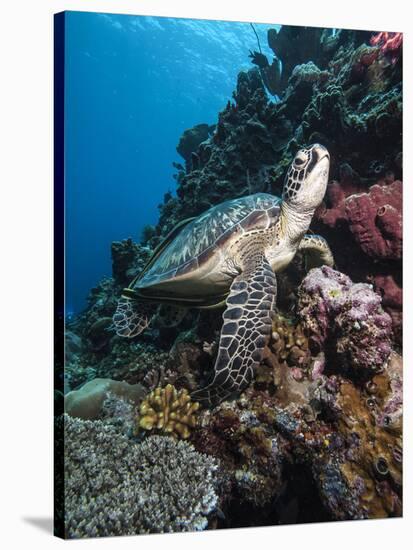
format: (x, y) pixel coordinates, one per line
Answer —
(390, 44)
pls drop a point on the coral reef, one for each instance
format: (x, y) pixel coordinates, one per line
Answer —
(128, 258)
(368, 472)
(117, 487)
(87, 401)
(375, 220)
(249, 451)
(191, 139)
(366, 227)
(327, 426)
(168, 411)
(346, 319)
(318, 434)
(289, 343)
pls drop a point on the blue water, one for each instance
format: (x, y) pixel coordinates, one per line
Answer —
(133, 85)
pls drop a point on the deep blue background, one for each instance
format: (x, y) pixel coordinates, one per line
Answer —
(133, 85)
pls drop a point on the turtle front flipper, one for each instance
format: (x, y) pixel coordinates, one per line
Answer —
(245, 332)
(132, 317)
(316, 251)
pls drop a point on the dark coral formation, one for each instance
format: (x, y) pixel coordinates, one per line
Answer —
(190, 140)
(250, 452)
(318, 434)
(328, 426)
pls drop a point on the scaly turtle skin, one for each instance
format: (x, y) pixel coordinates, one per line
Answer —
(230, 254)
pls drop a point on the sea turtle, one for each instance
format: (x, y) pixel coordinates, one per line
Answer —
(230, 254)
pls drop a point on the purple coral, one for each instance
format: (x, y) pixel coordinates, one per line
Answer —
(349, 315)
(364, 328)
(322, 295)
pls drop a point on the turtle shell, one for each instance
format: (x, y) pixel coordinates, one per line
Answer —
(199, 239)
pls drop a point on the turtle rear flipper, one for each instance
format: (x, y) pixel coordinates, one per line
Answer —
(245, 332)
(132, 317)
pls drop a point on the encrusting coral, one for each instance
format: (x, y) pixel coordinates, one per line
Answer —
(364, 225)
(347, 318)
(288, 346)
(117, 487)
(250, 453)
(168, 411)
(375, 219)
(289, 343)
(361, 475)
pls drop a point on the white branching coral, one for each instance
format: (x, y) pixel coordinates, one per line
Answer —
(117, 487)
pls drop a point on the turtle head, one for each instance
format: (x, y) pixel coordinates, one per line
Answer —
(306, 180)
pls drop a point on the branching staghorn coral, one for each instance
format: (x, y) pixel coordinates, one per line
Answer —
(114, 486)
(167, 410)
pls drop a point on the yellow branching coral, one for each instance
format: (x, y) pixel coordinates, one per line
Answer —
(168, 410)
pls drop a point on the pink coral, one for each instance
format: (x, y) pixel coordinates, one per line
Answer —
(336, 214)
(375, 220)
(390, 44)
(337, 192)
(392, 296)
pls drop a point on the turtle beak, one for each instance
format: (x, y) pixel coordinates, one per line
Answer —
(319, 152)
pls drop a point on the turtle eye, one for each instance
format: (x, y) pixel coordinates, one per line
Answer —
(299, 161)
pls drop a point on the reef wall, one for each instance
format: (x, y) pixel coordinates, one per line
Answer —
(318, 434)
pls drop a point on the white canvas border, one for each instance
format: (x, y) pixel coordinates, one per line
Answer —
(26, 269)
